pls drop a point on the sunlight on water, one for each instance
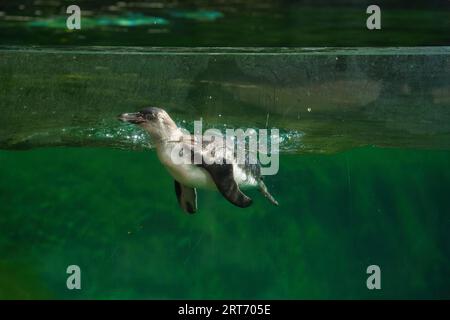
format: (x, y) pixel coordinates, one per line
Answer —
(128, 136)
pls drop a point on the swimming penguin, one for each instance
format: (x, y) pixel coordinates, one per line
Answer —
(227, 177)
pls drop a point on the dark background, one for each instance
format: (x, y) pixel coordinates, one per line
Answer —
(235, 23)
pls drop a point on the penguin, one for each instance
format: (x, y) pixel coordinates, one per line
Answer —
(226, 176)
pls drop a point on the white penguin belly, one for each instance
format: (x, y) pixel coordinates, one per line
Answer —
(191, 176)
(242, 178)
(194, 176)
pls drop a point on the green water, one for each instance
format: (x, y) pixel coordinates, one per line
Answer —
(364, 179)
(114, 213)
(256, 23)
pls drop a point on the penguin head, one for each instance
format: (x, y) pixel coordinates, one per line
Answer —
(154, 120)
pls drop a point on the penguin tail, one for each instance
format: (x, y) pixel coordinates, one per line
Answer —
(263, 189)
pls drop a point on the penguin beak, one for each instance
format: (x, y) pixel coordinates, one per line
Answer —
(134, 118)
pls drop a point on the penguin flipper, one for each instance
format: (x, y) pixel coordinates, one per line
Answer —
(222, 175)
(187, 197)
(263, 189)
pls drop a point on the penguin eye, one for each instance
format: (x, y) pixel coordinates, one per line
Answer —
(150, 116)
